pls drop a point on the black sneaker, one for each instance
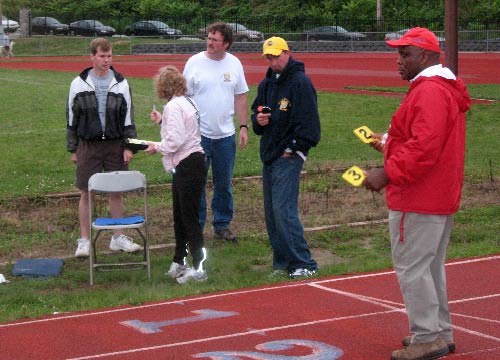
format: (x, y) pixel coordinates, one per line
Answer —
(225, 234)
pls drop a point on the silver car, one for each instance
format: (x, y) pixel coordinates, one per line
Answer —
(9, 25)
(240, 33)
(399, 34)
(332, 33)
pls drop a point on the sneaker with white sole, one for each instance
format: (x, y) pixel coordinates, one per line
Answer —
(176, 270)
(192, 274)
(302, 273)
(123, 243)
(83, 248)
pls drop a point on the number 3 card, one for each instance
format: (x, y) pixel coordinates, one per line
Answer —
(354, 176)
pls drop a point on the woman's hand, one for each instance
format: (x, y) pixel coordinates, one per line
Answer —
(156, 116)
(151, 149)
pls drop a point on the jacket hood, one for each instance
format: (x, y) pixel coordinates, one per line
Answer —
(293, 66)
(455, 86)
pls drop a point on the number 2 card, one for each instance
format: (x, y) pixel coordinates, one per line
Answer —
(364, 134)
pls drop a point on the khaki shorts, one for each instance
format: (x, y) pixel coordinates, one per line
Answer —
(97, 156)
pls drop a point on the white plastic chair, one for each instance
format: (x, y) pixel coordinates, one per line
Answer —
(122, 182)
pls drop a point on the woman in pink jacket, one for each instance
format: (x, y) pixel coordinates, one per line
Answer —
(183, 156)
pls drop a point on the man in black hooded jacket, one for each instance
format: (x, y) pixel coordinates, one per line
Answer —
(285, 115)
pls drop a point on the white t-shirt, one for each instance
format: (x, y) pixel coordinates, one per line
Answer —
(213, 84)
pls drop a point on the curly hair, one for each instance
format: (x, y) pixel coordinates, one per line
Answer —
(169, 82)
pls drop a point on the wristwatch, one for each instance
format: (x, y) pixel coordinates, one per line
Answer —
(244, 126)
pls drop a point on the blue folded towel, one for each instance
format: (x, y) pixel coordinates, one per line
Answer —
(37, 267)
(119, 221)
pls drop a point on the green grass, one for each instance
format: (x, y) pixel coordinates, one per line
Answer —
(35, 163)
(78, 45)
(230, 267)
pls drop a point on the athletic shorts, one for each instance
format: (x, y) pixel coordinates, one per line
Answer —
(97, 156)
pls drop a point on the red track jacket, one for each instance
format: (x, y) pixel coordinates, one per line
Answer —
(425, 149)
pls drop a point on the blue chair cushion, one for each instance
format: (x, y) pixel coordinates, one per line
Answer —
(119, 221)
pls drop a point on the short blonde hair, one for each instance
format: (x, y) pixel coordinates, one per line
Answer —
(169, 82)
(102, 43)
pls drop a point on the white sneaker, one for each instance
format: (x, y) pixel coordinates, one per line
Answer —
(83, 248)
(198, 275)
(302, 273)
(123, 243)
(176, 270)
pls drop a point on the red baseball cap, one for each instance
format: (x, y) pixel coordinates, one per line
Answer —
(419, 37)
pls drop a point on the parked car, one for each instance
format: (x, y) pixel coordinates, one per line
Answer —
(332, 33)
(151, 28)
(45, 25)
(240, 33)
(90, 28)
(9, 25)
(399, 34)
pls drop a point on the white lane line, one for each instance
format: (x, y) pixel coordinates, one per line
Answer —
(474, 298)
(359, 297)
(476, 333)
(239, 292)
(476, 318)
(228, 336)
(454, 263)
(477, 352)
(384, 304)
(132, 308)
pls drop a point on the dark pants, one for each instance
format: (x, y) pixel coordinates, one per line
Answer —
(281, 182)
(187, 187)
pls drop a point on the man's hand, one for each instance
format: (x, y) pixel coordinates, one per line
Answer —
(377, 143)
(376, 179)
(263, 119)
(127, 156)
(74, 158)
(243, 138)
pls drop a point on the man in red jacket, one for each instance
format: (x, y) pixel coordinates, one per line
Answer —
(423, 172)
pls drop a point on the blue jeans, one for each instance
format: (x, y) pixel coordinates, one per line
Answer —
(281, 180)
(220, 154)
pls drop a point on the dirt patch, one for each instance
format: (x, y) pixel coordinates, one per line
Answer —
(48, 226)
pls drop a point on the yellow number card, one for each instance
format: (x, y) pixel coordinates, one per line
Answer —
(354, 176)
(364, 134)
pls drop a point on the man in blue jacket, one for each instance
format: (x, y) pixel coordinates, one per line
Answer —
(285, 115)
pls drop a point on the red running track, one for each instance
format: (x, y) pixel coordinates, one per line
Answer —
(328, 71)
(357, 316)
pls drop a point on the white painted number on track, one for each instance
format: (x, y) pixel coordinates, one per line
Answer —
(155, 326)
(319, 351)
